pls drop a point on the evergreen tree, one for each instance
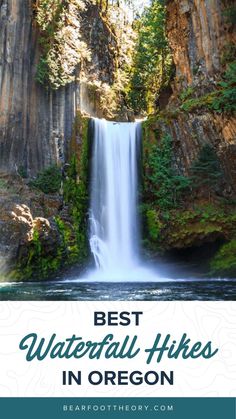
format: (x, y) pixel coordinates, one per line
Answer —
(152, 62)
(206, 170)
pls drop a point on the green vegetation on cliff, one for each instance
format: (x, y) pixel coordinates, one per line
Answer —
(184, 211)
(76, 188)
(76, 196)
(61, 240)
(162, 183)
(38, 264)
(62, 47)
(206, 171)
(222, 99)
(48, 180)
(224, 262)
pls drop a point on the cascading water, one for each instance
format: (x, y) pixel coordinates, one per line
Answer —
(114, 224)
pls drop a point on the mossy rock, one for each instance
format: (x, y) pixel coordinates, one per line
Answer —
(224, 262)
(188, 228)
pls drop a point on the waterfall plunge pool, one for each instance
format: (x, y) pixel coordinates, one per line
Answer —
(120, 273)
(74, 290)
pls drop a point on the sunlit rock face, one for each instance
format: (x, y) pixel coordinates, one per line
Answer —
(36, 122)
(198, 32)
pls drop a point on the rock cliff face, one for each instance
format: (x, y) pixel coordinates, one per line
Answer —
(34, 123)
(37, 125)
(198, 32)
(190, 132)
(201, 36)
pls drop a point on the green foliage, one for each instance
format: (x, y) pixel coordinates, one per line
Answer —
(206, 170)
(226, 99)
(224, 262)
(152, 61)
(42, 73)
(192, 104)
(72, 245)
(170, 218)
(228, 54)
(154, 224)
(187, 93)
(76, 194)
(70, 249)
(49, 180)
(163, 188)
(221, 100)
(185, 228)
(201, 223)
(22, 172)
(3, 184)
(162, 182)
(230, 14)
(61, 42)
(38, 264)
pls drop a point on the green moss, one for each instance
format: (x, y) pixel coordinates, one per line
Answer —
(3, 184)
(75, 187)
(223, 99)
(154, 224)
(182, 228)
(22, 172)
(228, 53)
(185, 94)
(224, 262)
(192, 104)
(71, 244)
(70, 248)
(37, 265)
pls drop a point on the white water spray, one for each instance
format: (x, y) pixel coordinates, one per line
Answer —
(114, 223)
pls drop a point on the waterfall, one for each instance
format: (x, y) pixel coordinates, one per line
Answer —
(113, 212)
(114, 221)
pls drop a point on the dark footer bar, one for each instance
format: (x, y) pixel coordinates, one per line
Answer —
(119, 407)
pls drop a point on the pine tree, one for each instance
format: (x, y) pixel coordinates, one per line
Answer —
(206, 170)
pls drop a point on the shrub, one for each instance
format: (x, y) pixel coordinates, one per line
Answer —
(164, 183)
(224, 262)
(226, 99)
(206, 170)
(49, 180)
